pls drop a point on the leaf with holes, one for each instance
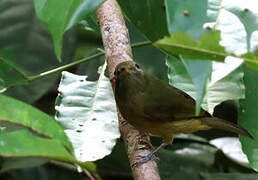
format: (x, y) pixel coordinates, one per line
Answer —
(87, 111)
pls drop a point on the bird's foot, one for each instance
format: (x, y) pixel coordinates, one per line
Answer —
(149, 157)
(145, 159)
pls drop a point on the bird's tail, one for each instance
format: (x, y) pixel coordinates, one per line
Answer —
(218, 123)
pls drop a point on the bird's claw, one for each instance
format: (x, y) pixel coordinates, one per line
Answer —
(149, 157)
(146, 159)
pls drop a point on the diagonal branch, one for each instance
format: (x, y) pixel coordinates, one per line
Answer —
(117, 46)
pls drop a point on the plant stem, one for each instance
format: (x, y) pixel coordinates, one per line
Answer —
(142, 43)
(61, 68)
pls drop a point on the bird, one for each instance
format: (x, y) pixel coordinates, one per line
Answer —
(155, 107)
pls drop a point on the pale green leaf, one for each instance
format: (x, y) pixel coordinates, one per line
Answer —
(87, 111)
(224, 76)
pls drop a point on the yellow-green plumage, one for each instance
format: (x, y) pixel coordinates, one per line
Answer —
(155, 107)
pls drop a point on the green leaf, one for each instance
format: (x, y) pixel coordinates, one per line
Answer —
(228, 176)
(248, 117)
(231, 147)
(9, 75)
(224, 77)
(206, 48)
(24, 144)
(87, 111)
(26, 46)
(189, 16)
(192, 23)
(235, 20)
(237, 27)
(148, 16)
(199, 79)
(70, 13)
(18, 113)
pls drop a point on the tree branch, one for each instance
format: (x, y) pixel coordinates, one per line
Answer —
(117, 46)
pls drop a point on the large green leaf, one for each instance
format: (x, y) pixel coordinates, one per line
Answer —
(20, 114)
(235, 20)
(190, 23)
(24, 144)
(87, 111)
(199, 79)
(184, 18)
(70, 13)
(206, 48)
(248, 116)
(148, 16)
(26, 46)
(187, 16)
(225, 82)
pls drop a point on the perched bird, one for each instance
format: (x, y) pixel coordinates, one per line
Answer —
(157, 108)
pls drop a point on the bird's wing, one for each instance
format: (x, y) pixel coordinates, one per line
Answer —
(167, 103)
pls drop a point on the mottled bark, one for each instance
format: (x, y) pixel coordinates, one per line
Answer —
(117, 46)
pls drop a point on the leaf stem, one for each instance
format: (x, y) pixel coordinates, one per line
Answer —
(61, 68)
(140, 44)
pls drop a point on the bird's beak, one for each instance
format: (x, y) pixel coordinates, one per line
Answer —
(127, 71)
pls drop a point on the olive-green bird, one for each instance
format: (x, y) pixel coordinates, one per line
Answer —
(157, 108)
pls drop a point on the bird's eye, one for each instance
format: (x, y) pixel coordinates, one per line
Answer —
(122, 69)
(137, 66)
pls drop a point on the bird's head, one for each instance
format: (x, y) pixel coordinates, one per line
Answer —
(126, 69)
